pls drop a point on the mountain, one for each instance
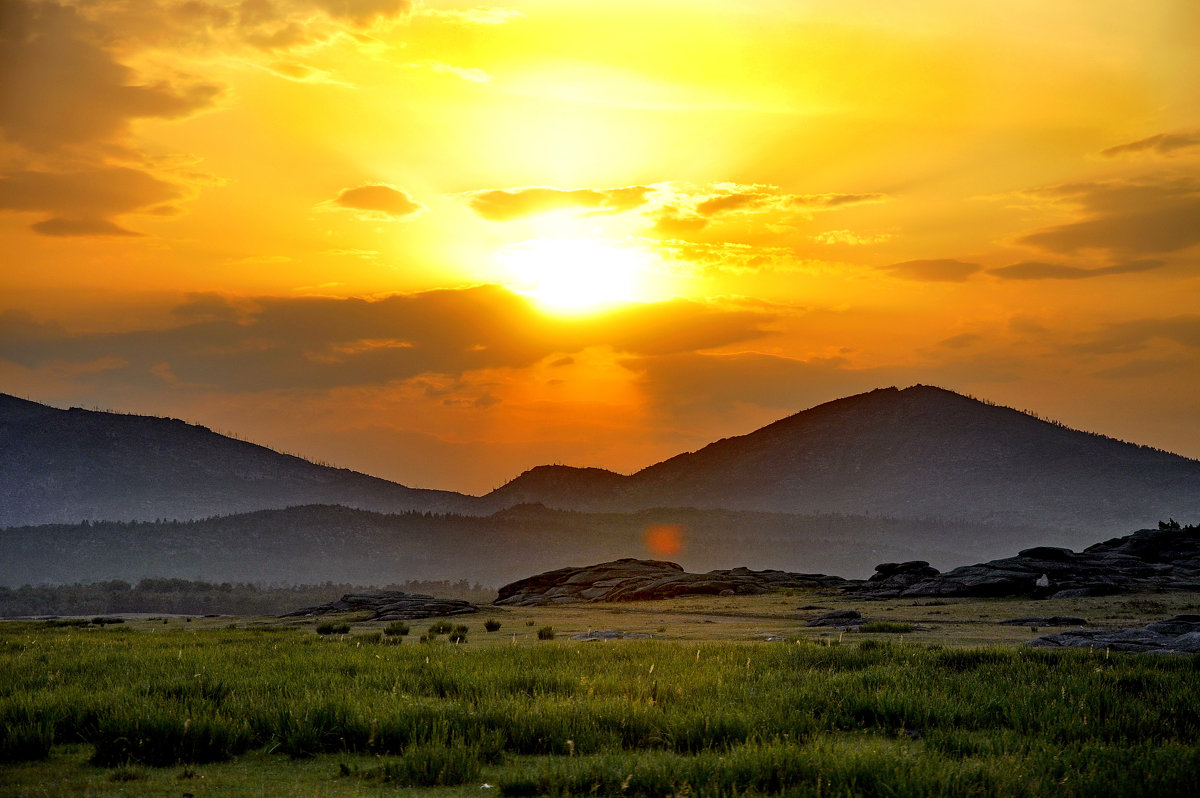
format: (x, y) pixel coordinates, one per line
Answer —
(65, 466)
(920, 452)
(319, 543)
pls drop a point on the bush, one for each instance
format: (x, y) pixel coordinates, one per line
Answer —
(441, 627)
(329, 628)
(25, 742)
(491, 625)
(430, 765)
(892, 627)
(546, 633)
(396, 628)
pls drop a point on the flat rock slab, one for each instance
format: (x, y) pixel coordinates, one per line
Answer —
(643, 580)
(1178, 635)
(609, 634)
(390, 605)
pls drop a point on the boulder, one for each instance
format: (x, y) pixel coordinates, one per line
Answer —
(1149, 559)
(837, 618)
(644, 580)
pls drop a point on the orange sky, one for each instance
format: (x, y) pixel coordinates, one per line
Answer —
(444, 242)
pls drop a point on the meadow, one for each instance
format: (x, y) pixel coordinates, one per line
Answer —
(168, 706)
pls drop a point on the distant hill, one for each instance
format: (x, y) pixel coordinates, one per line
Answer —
(920, 452)
(66, 466)
(314, 544)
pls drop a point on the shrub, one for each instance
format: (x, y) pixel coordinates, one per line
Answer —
(25, 742)
(441, 627)
(430, 765)
(330, 628)
(546, 633)
(396, 628)
(491, 625)
(893, 627)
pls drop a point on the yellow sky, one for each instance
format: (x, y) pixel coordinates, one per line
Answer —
(444, 242)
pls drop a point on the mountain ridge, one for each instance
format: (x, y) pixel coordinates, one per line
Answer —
(66, 466)
(914, 452)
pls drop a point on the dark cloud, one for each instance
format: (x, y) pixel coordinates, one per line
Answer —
(938, 270)
(1161, 144)
(84, 202)
(288, 343)
(693, 384)
(1033, 270)
(59, 87)
(379, 199)
(503, 205)
(1135, 334)
(1128, 218)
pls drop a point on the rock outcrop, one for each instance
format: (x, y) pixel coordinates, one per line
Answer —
(1150, 559)
(641, 580)
(1177, 635)
(391, 605)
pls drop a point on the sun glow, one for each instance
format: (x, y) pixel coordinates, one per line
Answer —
(576, 275)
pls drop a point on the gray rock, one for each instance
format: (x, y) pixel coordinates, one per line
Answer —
(1149, 559)
(1178, 635)
(837, 618)
(643, 580)
(391, 605)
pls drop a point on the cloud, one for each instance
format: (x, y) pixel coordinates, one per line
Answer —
(850, 238)
(1134, 334)
(1161, 144)
(321, 342)
(84, 202)
(364, 12)
(60, 88)
(1033, 270)
(938, 270)
(826, 201)
(504, 205)
(689, 209)
(379, 201)
(1128, 218)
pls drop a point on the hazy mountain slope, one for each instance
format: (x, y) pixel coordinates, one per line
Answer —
(314, 544)
(65, 466)
(921, 452)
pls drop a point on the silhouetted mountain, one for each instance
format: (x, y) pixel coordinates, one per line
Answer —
(921, 452)
(314, 544)
(65, 466)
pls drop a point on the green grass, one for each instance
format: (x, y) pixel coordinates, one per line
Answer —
(887, 627)
(97, 707)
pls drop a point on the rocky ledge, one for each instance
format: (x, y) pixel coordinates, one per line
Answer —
(391, 605)
(641, 580)
(1178, 635)
(1150, 559)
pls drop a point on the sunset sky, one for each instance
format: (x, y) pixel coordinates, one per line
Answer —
(445, 242)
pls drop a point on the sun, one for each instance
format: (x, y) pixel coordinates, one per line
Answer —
(576, 275)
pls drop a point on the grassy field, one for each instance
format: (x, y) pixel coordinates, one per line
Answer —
(171, 706)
